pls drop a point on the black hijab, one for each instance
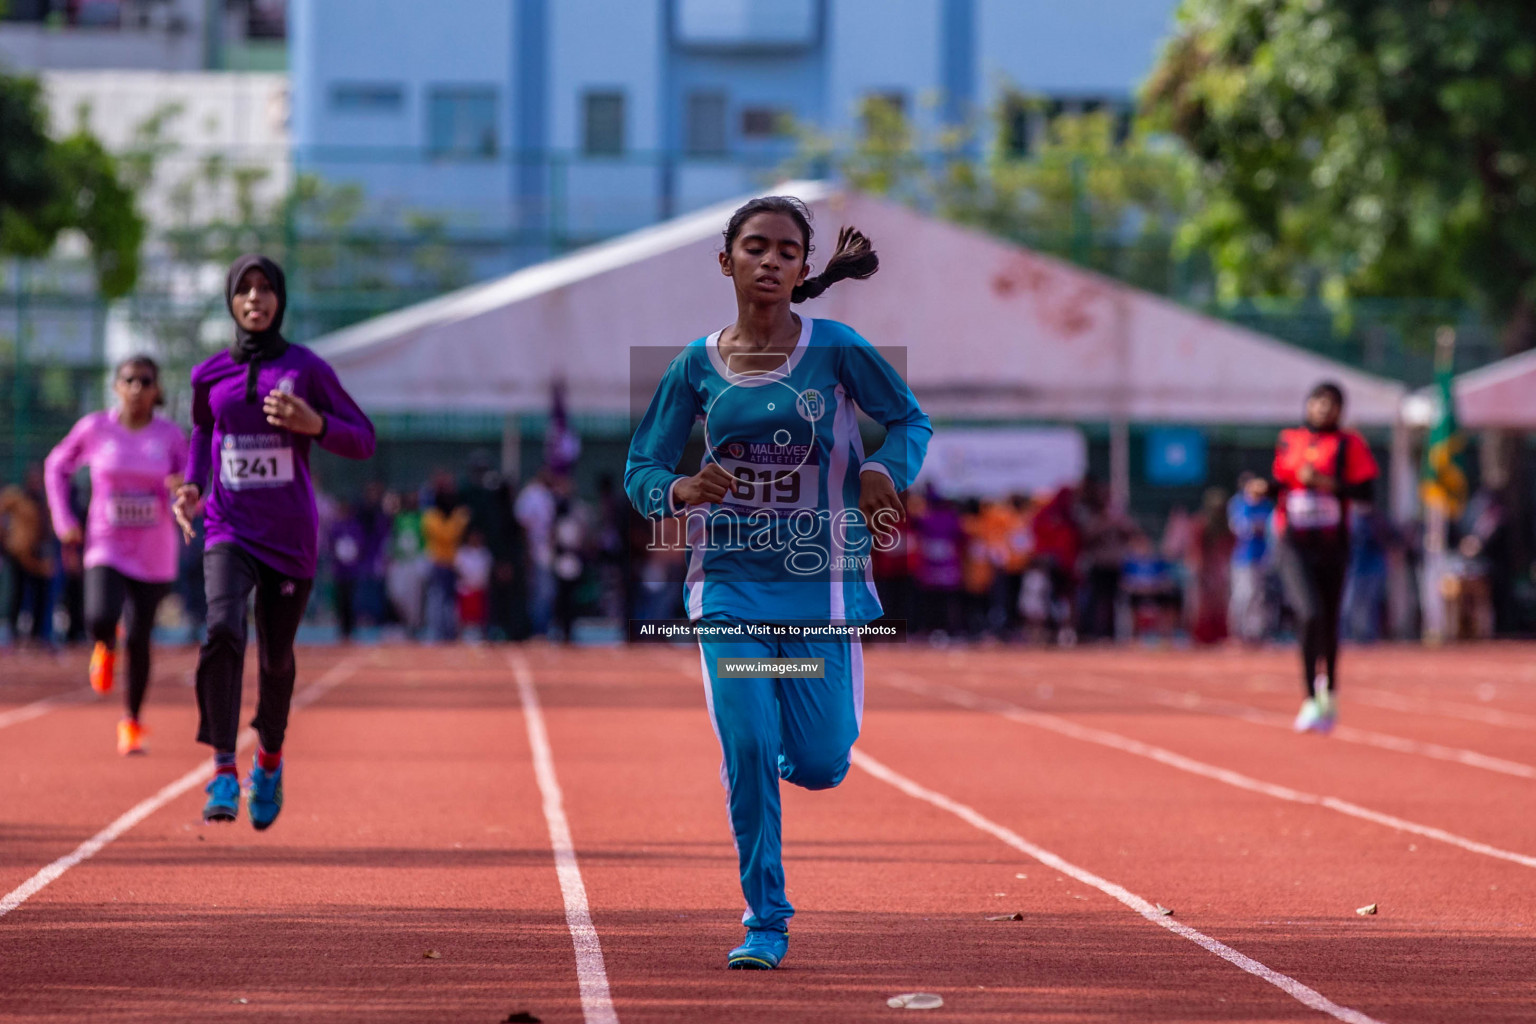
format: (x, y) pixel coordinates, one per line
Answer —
(255, 347)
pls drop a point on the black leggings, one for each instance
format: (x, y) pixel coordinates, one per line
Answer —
(1312, 574)
(230, 573)
(109, 595)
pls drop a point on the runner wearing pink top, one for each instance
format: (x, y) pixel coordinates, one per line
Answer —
(135, 459)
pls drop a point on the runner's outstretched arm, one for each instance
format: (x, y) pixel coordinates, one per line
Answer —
(879, 390)
(58, 467)
(200, 448)
(651, 470)
(347, 431)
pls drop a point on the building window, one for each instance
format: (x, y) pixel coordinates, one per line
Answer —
(764, 122)
(603, 124)
(267, 19)
(706, 124)
(1117, 111)
(367, 97)
(24, 10)
(746, 25)
(880, 108)
(1018, 127)
(461, 121)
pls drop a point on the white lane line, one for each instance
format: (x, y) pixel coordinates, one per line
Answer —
(1290, 986)
(591, 975)
(38, 708)
(1012, 712)
(1452, 709)
(1195, 701)
(92, 846)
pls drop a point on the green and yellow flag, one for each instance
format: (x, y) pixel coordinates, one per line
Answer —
(1442, 484)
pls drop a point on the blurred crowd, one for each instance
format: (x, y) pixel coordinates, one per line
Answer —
(472, 556)
(481, 557)
(476, 558)
(1070, 566)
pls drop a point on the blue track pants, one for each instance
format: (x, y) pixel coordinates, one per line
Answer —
(795, 729)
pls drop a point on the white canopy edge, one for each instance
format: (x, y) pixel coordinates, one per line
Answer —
(992, 331)
(1501, 394)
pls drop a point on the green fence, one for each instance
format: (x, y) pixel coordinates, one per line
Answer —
(353, 253)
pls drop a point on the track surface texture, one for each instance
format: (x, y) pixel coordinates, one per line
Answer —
(550, 824)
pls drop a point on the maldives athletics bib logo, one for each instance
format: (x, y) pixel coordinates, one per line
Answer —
(811, 405)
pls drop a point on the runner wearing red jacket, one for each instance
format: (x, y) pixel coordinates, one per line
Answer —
(1319, 469)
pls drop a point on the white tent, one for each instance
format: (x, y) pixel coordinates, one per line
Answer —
(1499, 395)
(990, 331)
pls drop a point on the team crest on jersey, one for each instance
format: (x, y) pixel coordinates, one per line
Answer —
(229, 441)
(285, 385)
(811, 405)
(736, 449)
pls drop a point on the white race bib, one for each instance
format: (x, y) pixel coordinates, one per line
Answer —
(1312, 510)
(133, 511)
(253, 461)
(777, 477)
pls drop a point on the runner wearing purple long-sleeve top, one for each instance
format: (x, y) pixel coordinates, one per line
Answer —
(257, 407)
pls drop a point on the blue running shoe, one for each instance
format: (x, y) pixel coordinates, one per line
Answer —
(762, 951)
(223, 798)
(265, 797)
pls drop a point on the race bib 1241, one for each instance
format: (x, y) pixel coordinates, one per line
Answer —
(252, 461)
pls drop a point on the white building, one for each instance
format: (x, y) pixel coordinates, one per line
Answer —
(238, 118)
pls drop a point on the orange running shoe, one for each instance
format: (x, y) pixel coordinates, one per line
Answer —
(103, 663)
(130, 737)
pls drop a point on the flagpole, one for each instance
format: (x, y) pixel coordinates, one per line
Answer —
(1436, 525)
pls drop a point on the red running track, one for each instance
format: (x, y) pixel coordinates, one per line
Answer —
(415, 822)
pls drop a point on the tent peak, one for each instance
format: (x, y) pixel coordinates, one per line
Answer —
(558, 272)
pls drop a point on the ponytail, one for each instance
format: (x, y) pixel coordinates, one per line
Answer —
(855, 257)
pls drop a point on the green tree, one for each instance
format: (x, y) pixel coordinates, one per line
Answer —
(50, 186)
(216, 208)
(1356, 148)
(1081, 191)
(1077, 190)
(24, 161)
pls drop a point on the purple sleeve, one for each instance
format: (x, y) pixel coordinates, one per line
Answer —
(348, 431)
(178, 450)
(200, 455)
(59, 467)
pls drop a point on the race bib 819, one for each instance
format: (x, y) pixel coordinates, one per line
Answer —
(772, 476)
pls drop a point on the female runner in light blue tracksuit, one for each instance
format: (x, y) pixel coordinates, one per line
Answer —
(779, 521)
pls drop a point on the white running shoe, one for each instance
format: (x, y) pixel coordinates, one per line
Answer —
(1327, 709)
(1308, 717)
